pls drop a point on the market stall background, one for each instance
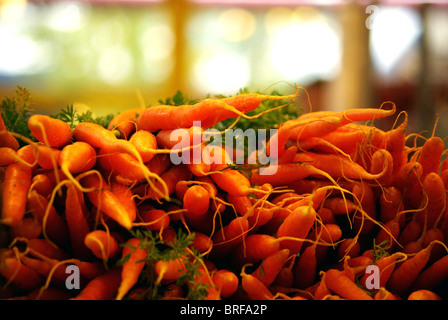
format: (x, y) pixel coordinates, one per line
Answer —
(112, 55)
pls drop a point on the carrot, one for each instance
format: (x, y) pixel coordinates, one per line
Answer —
(403, 276)
(134, 261)
(102, 244)
(47, 157)
(348, 247)
(410, 232)
(40, 246)
(270, 266)
(408, 180)
(430, 155)
(75, 158)
(203, 277)
(53, 224)
(208, 112)
(124, 122)
(101, 138)
(337, 282)
(196, 200)
(231, 181)
(7, 156)
(435, 195)
(226, 282)
(338, 166)
(321, 290)
(229, 236)
(126, 197)
(18, 274)
(6, 138)
(103, 287)
(305, 268)
(386, 266)
(391, 204)
(29, 228)
(296, 225)
(168, 271)
(14, 196)
(50, 131)
(255, 289)
(106, 201)
(170, 178)
(382, 158)
(146, 143)
(388, 234)
(42, 184)
(76, 222)
(155, 219)
(424, 295)
(394, 142)
(256, 247)
(46, 269)
(433, 275)
(384, 294)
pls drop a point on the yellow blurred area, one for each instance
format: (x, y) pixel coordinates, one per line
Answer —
(109, 56)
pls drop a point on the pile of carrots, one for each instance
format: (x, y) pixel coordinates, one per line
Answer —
(352, 212)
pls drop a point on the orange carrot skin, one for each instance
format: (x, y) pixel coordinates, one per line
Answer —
(104, 199)
(133, 266)
(46, 248)
(402, 278)
(339, 283)
(109, 246)
(78, 157)
(55, 227)
(29, 228)
(76, 222)
(144, 141)
(255, 289)
(270, 267)
(7, 156)
(26, 278)
(58, 133)
(7, 139)
(297, 225)
(226, 282)
(305, 268)
(432, 275)
(103, 287)
(231, 235)
(124, 122)
(14, 196)
(430, 155)
(424, 295)
(256, 247)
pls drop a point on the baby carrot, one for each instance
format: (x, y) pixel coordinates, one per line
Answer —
(50, 131)
(342, 285)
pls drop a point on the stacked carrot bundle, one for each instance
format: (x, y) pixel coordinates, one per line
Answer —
(350, 211)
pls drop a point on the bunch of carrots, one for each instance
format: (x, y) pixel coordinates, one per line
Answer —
(351, 211)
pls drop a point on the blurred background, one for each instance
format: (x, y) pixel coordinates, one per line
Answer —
(111, 55)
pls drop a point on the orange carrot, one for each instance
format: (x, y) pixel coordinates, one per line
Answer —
(41, 246)
(134, 261)
(430, 155)
(202, 243)
(270, 266)
(6, 138)
(102, 244)
(53, 224)
(255, 289)
(229, 236)
(403, 276)
(155, 219)
(7, 156)
(14, 196)
(124, 122)
(305, 268)
(434, 190)
(146, 143)
(76, 222)
(29, 228)
(50, 131)
(337, 282)
(391, 204)
(208, 112)
(256, 247)
(103, 287)
(75, 158)
(433, 275)
(42, 184)
(296, 225)
(226, 282)
(168, 271)
(106, 201)
(196, 201)
(424, 295)
(17, 273)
